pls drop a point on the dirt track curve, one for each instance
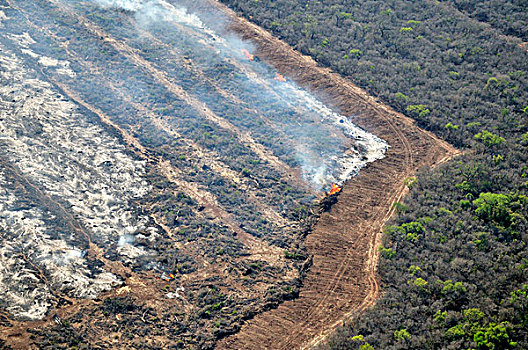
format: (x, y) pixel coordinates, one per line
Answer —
(342, 280)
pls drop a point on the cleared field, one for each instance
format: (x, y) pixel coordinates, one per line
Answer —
(157, 177)
(342, 279)
(161, 177)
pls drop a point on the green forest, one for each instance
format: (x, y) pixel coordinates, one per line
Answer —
(454, 263)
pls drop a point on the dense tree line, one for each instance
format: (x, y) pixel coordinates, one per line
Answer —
(454, 265)
(510, 16)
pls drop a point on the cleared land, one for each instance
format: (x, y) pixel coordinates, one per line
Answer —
(201, 171)
(342, 279)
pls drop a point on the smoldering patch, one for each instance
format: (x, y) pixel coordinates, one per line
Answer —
(327, 147)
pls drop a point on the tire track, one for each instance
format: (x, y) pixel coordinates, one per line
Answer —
(317, 310)
(382, 184)
(373, 257)
(329, 291)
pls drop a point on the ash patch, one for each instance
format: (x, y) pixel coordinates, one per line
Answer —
(37, 267)
(58, 154)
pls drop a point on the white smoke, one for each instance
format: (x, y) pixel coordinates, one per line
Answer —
(337, 160)
(128, 5)
(125, 239)
(332, 167)
(153, 11)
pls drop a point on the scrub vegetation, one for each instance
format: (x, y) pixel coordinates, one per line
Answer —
(160, 181)
(454, 262)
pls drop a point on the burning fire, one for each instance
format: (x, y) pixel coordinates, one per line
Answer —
(279, 77)
(165, 277)
(248, 55)
(334, 189)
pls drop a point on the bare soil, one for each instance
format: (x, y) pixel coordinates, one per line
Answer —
(342, 280)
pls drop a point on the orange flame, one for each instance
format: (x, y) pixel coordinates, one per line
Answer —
(165, 277)
(334, 189)
(279, 77)
(248, 55)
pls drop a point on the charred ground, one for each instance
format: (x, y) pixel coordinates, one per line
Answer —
(201, 173)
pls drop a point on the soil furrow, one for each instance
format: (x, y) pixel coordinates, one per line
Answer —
(331, 298)
(259, 248)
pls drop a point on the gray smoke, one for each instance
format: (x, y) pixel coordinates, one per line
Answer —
(328, 147)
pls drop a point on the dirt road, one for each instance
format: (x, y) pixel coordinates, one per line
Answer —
(343, 279)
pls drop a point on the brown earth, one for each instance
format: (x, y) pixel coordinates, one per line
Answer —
(145, 287)
(342, 280)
